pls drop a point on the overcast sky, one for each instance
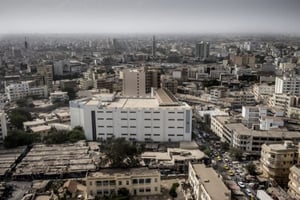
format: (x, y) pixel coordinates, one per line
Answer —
(150, 16)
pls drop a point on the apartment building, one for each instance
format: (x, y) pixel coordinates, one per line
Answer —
(277, 159)
(24, 89)
(206, 183)
(170, 84)
(46, 71)
(159, 118)
(294, 183)
(138, 181)
(262, 90)
(284, 102)
(239, 99)
(3, 126)
(138, 82)
(252, 114)
(58, 96)
(288, 85)
(232, 131)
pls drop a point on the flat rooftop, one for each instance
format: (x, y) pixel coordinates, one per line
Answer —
(124, 172)
(211, 182)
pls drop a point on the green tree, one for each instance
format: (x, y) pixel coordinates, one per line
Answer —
(236, 153)
(17, 138)
(120, 153)
(251, 168)
(71, 92)
(173, 189)
(18, 116)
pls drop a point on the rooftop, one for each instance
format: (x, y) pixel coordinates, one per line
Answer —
(124, 172)
(211, 182)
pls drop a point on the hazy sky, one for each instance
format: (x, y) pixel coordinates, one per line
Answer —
(149, 16)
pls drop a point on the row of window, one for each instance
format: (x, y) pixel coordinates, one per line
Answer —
(146, 112)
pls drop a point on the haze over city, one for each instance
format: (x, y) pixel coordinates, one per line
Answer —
(149, 16)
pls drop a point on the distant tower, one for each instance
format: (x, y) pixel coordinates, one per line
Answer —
(202, 50)
(26, 44)
(153, 46)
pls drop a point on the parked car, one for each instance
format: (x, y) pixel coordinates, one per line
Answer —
(241, 184)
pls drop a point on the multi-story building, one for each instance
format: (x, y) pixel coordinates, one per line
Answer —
(170, 84)
(277, 159)
(232, 131)
(21, 90)
(252, 114)
(262, 90)
(217, 93)
(58, 96)
(294, 182)
(138, 82)
(3, 127)
(288, 85)
(202, 50)
(239, 99)
(206, 183)
(284, 102)
(159, 118)
(138, 181)
(46, 71)
(246, 60)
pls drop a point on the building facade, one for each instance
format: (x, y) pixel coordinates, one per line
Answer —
(277, 159)
(288, 85)
(138, 181)
(294, 183)
(206, 183)
(3, 126)
(159, 119)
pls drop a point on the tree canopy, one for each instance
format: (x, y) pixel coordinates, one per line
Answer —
(17, 138)
(120, 153)
(64, 136)
(71, 92)
(18, 116)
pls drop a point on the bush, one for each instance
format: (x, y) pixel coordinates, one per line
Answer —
(17, 138)
(172, 191)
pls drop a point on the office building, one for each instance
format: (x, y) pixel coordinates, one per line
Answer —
(138, 181)
(202, 50)
(277, 159)
(288, 85)
(3, 126)
(207, 184)
(138, 82)
(160, 118)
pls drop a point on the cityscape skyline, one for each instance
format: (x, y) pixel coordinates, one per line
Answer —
(144, 16)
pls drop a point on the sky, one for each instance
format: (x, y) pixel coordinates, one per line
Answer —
(150, 16)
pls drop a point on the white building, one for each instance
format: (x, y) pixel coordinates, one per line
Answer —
(269, 122)
(262, 90)
(162, 118)
(58, 96)
(288, 85)
(21, 90)
(207, 184)
(3, 126)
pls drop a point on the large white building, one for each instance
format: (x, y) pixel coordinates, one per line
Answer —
(3, 127)
(159, 118)
(21, 90)
(288, 85)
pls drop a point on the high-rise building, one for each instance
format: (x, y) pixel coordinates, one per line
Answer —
(25, 44)
(202, 50)
(153, 47)
(138, 82)
(294, 182)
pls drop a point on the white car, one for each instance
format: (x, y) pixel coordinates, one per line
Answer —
(248, 192)
(241, 184)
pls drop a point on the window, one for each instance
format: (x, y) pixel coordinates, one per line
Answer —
(108, 118)
(99, 111)
(100, 126)
(108, 111)
(156, 134)
(98, 183)
(120, 182)
(141, 190)
(179, 112)
(171, 119)
(109, 126)
(155, 180)
(171, 127)
(112, 182)
(148, 189)
(170, 134)
(123, 118)
(91, 182)
(134, 181)
(132, 126)
(147, 112)
(147, 119)
(147, 127)
(171, 112)
(132, 119)
(148, 180)
(156, 127)
(147, 134)
(156, 119)
(124, 126)
(123, 111)
(156, 112)
(132, 112)
(100, 119)
(127, 182)
(141, 181)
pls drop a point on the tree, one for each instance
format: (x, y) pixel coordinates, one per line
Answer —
(172, 191)
(71, 92)
(251, 168)
(120, 153)
(18, 116)
(224, 146)
(17, 138)
(64, 136)
(236, 153)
